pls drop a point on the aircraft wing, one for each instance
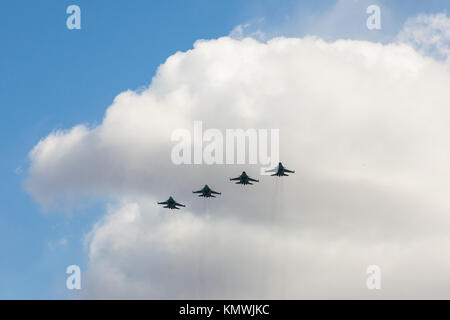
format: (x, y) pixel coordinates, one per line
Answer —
(289, 171)
(254, 180)
(272, 170)
(179, 204)
(235, 179)
(199, 191)
(214, 192)
(165, 202)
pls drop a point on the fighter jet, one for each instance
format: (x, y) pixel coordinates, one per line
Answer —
(171, 204)
(280, 171)
(244, 179)
(206, 192)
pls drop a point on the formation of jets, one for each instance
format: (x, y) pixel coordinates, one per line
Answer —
(243, 179)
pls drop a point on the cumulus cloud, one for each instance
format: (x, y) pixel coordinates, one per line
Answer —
(365, 126)
(137, 252)
(429, 34)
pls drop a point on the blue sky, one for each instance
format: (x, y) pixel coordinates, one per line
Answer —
(53, 78)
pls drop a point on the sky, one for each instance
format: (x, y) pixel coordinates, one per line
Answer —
(69, 206)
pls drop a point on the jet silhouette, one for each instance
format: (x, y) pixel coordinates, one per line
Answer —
(206, 192)
(171, 204)
(244, 179)
(280, 171)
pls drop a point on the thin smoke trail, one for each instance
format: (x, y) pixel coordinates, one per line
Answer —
(201, 255)
(285, 265)
(273, 219)
(201, 285)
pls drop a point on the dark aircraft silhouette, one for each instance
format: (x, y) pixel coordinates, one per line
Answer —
(206, 192)
(171, 204)
(280, 171)
(244, 179)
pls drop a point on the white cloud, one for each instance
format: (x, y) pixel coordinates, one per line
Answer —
(429, 34)
(365, 126)
(139, 252)
(248, 30)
